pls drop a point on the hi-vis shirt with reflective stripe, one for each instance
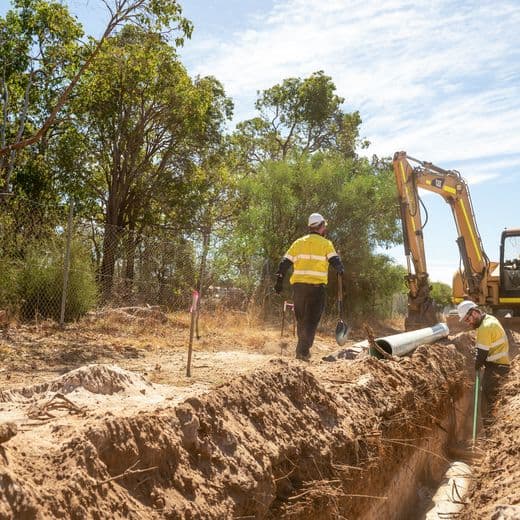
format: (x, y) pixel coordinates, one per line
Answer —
(492, 338)
(310, 256)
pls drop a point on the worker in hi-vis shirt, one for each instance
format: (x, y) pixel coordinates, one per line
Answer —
(491, 345)
(310, 256)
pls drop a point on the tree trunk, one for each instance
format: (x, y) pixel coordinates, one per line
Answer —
(130, 247)
(206, 234)
(110, 240)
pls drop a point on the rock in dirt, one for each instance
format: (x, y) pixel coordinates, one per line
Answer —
(7, 431)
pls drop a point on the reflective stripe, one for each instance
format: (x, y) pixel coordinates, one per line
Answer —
(482, 347)
(498, 342)
(310, 257)
(312, 273)
(331, 255)
(498, 356)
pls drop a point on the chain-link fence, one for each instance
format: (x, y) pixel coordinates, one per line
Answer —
(58, 264)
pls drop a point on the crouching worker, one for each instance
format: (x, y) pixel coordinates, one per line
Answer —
(491, 345)
(310, 256)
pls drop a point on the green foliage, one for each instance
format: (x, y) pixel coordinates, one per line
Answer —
(40, 282)
(42, 60)
(298, 116)
(150, 125)
(357, 199)
(373, 287)
(441, 294)
(8, 288)
(39, 49)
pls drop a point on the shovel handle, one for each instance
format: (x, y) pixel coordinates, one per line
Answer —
(340, 296)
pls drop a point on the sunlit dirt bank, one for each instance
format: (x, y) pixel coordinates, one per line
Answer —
(364, 438)
(496, 493)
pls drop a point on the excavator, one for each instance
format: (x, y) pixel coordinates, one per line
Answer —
(490, 284)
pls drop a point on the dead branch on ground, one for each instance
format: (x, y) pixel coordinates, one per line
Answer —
(58, 401)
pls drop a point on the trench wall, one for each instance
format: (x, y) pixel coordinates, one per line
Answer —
(284, 442)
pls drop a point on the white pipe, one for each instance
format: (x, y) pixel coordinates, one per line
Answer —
(449, 498)
(401, 344)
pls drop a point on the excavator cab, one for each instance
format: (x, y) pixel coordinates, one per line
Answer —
(509, 291)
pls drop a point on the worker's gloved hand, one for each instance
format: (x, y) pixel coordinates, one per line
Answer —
(480, 358)
(278, 285)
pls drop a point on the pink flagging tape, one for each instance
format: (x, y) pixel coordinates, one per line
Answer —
(194, 300)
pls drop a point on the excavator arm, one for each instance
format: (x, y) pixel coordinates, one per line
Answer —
(453, 189)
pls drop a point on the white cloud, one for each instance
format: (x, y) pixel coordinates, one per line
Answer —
(436, 78)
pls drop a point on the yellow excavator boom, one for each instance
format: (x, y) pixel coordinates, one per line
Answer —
(479, 279)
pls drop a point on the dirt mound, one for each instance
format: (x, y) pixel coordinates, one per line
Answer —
(97, 379)
(281, 442)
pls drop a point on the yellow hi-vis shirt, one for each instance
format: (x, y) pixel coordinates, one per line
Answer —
(310, 256)
(492, 338)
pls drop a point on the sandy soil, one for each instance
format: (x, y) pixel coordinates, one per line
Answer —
(100, 421)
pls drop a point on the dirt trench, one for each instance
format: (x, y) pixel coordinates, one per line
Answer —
(352, 439)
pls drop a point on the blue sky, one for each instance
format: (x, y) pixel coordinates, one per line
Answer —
(439, 79)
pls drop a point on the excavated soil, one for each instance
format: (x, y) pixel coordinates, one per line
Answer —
(268, 437)
(496, 493)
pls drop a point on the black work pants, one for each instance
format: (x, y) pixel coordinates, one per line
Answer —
(309, 303)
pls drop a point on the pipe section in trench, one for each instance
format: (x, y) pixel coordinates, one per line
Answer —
(404, 343)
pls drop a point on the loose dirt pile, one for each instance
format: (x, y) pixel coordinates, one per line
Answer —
(280, 442)
(362, 438)
(497, 491)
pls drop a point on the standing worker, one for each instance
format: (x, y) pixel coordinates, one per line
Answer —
(310, 256)
(492, 345)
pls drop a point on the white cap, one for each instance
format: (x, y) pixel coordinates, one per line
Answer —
(464, 307)
(315, 219)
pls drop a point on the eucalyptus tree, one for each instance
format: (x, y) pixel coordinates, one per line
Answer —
(39, 47)
(148, 127)
(356, 196)
(42, 62)
(298, 116)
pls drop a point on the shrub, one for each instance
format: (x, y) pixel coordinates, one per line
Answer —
(40, 282)
(8, 275)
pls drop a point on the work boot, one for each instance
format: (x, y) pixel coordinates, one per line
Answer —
(303, 357)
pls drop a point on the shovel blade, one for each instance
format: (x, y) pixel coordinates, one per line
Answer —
(341, 333)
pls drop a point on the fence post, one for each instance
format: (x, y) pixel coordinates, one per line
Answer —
(66, 264)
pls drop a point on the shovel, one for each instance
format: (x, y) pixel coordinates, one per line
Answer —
(341, 327)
